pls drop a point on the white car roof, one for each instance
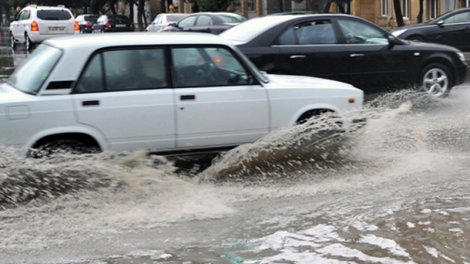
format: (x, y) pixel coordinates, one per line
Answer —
(134, 38)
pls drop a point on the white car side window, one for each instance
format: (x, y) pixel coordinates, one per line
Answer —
(208, 66)
(125, 70)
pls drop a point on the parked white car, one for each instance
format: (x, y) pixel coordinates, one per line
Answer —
(163, 20)
(34, 24)
(160, 92)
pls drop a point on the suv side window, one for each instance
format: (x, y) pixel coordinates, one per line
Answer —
(25, 15)
(207, 66)
(124, 70)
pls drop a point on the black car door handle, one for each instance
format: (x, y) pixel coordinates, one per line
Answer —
(187, 97)
(298, 57)
(91, 103)
(356, 55)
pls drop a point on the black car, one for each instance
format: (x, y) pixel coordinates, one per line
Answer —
(208, 22)
(349, 49)
(113, 23)
(86, 22)
(452, 28)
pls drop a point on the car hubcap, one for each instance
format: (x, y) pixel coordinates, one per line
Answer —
(436, 82)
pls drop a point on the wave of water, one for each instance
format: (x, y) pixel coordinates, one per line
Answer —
(50, 202)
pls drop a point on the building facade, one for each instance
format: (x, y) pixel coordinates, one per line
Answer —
(380, 12)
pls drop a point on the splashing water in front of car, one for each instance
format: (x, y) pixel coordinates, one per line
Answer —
(381, 193)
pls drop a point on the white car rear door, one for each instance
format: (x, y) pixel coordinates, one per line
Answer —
(131, 104)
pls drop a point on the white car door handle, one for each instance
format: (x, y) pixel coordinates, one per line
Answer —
(355, 55)
(298, 57)
(91, 103)
(187, 97)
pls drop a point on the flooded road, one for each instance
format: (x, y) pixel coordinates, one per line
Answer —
(395, 191)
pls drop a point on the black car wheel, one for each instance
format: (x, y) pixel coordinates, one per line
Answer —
(12, 41)
(436, 80)
(27, 42)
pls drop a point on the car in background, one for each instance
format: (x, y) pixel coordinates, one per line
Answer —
(86, 22)
(116, 92)
(164, 20)
(452, 28)
(113, 23)
(349, 49)
(34, 24)
(207, 22)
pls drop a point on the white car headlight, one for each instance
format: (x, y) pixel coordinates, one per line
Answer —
(398, 32)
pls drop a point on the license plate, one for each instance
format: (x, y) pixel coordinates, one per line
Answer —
(55, 29)
(120, 25)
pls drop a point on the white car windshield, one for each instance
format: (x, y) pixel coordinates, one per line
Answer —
(31, 75)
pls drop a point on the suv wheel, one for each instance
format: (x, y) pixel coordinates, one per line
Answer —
(12, 41)
(436, 80)
(27, 42)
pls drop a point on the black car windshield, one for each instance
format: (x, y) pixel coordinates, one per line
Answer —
(31, 75)
(54, 14)
(251, 28)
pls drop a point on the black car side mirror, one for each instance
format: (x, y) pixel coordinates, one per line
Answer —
(392, 41)
(440, 23)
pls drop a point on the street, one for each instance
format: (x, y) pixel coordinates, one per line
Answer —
(396, 191)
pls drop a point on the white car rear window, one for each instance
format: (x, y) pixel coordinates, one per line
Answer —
(30, 77)
(54, 15)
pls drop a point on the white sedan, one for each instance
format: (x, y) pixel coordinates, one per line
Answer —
(163, 92)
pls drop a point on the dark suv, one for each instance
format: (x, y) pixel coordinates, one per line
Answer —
(113, 23)
(349, 49)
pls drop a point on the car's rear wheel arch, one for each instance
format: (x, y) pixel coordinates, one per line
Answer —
(86, 140)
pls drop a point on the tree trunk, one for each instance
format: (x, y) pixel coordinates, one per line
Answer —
(140, 14)
(398, 14)
(326, 7)
(420, 14)
(131, 10)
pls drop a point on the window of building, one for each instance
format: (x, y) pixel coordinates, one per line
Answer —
(464, 3)
(405, 8)
(384, 8)
(433, 8)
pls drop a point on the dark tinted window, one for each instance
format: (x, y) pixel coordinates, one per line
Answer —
(124, 70)
(209, 66)
(309, 32)
(118, 19)
(91, 18)
(54, 15)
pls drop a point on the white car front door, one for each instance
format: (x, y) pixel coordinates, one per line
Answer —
(218, 103)
(125, 95)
